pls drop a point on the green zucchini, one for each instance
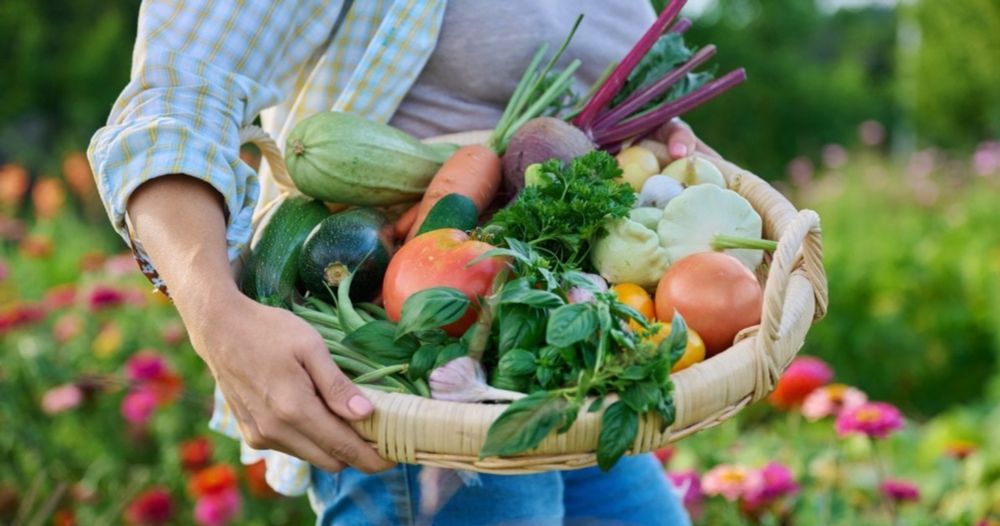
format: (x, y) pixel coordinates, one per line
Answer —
(452, 211)
(357, 241)
(343, 158)
(271, 271)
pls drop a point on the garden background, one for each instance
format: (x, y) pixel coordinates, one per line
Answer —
(883, 117)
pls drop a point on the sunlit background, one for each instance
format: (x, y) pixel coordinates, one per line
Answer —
(883, 116)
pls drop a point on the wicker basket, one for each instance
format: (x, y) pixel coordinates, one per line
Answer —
(416, 430)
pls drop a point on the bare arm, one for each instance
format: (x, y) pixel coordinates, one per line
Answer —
(273, 368)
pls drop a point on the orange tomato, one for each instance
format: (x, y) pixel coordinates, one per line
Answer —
(693, 353)
(636, 297)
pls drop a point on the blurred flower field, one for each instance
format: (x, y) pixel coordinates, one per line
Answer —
(889, 417)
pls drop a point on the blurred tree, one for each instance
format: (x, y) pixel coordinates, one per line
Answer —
(812, 77)
(951, 81)
(64, 64)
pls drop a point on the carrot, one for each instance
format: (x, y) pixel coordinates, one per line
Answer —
(402, 225)
(473, 171)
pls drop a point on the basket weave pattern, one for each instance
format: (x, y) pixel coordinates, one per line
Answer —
(416, 430)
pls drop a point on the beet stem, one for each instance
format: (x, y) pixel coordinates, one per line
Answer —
(681, 26)
(614, 84)
(670, 110)
(642, 96)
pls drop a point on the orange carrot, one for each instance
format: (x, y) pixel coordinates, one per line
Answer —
(473, 171)
(402, 225)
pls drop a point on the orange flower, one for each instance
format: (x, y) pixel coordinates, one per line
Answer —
(959, 449)
(13, 185)
(256, 481)
(64, 517)
(48, 197)
(195, 453)
(213, 480)
(76, 171)
(36, 247)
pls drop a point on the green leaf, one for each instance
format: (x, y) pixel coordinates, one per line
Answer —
(377, 340)
(675, 344)
(634, 372)
(619, 427)
(450, 352)
(665, 408)
(570, 324)
(533, 297)
(524, 424)
(641, 396)
(423, 360)
(569, 417)
(596, 405)
(517, 362)
(431, 309)
(544, 376)
(519, 326)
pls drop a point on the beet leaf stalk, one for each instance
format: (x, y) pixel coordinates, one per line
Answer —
(654, 83)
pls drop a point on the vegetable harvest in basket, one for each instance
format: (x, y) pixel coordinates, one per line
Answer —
(521, 271)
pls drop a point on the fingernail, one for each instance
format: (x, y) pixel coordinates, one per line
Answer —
(359, 405)
(678, 149)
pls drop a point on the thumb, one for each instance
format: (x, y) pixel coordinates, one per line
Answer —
(678, 137)
(335, 388)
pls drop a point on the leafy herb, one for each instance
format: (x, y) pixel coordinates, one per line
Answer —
(524, 424)
(431, 309)
(667, 53)
(558, 220)
(619, 426)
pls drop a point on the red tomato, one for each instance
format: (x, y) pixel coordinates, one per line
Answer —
(439, 259)
(715, 293)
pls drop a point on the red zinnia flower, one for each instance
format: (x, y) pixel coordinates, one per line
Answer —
(60, 296)
(102, 297)
(804, 375)
(195, 454)
(64, 517)
(151, 508)
(664, 454)
(145, 365)
(213, 480)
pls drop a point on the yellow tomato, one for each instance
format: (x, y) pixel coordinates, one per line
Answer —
(693, 353)
(636, 297)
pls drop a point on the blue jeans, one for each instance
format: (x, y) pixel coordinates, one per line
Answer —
(634, 492)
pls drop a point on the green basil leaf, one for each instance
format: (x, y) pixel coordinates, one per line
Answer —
(517, 362)
(634, 372)
(675, 344)
(450, 352)
(571, 324)
(619, 427)
(533, 297)
(377, 340)
(627, 313)
(641, 396)
(524, 424)
(431, 309)
(569, 417)
(596, 405)
(665, 408)
(423, 361)
(520, 326)
(604, 316)
(544, 376)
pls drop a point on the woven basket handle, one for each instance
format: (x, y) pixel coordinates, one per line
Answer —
(801, 238)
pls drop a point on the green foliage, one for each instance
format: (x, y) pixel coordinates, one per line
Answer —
(951, 85)
(811, 78)
(914, 272)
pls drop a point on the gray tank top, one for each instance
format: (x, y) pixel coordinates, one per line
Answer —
(484, 46)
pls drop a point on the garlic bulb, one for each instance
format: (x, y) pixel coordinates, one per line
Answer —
(463, 380)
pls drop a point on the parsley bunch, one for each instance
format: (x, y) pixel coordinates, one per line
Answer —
(567, 208)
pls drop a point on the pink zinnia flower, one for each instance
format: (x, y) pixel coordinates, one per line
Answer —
(804, 375)
(120, 265)
(875, 419)
(60, 296)
(872, 133)
(145, 365)
(834, 156)
(688, 483)
(138, 406)
(20, 316)
(774, 481)
(900, 490)
(217, 509)
(173, 333)
(66, 327)
(730, 481)
(830, 400)
(102, 297)
(151, 508)
(62, 398)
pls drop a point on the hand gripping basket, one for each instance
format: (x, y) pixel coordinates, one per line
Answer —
(417, 430)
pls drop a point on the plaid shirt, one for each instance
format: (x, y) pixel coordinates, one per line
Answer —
(203, 70)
